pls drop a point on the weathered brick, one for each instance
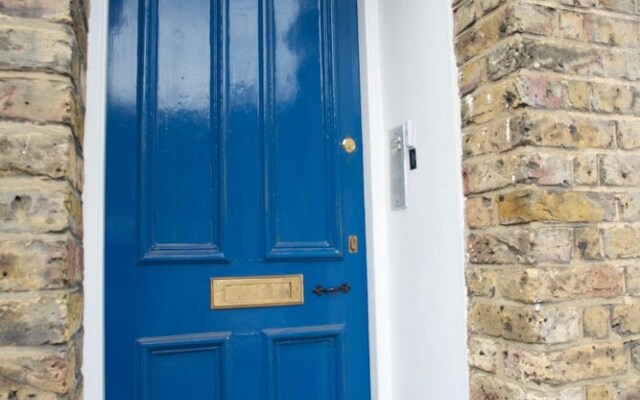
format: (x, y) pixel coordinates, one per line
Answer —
(523, 90)
(485, 33)
(557, 238)
(635, 355)
(544, 169)
(78, 392)
(488, 5)
(585, 169)
(483, 353)
(464, 16)
(488, 386)
(499, 248)
(612, 31)
(596, 322)
(589, 243)
(526, 324)
(520, 246)
(488, 102)
(39, 98)
(599, 28)
(628, 389)
(625, 317)
(541, 92)
(556, 367)
(28, 205)
(77, 171)
(579, 3)
(528, 53)
(600, 392)
(57, 10)
(629, 206)
(572, 25)
(37, 45)
(533, 205)
(561, 130)
(543, 129)
(39, 318)
(545, 284)
(629, 134)
(620, 170)
(606, 97)
(38, 150)
(621, 64)
(46, 263)
(578, 95)
(43, 47)
(621, 242)
(511, 19)
(552, 246)
(495, 137)
(503, 247)
(10, 390)
(481, 281)
(632, 280)
(479, 211)
(50, 369)
(471, 75)
(625, 6)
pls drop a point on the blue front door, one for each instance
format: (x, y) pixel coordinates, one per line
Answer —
(235, 251)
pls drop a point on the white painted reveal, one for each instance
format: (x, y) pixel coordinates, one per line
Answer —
(419, 271)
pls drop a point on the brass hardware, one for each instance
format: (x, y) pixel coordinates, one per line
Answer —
(349, 145)
(353, 244)
(257, 291)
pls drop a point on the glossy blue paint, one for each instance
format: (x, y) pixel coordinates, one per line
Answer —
(175, 98)
(224, 124)
(318, 351)
(303, 220)
(168, 365)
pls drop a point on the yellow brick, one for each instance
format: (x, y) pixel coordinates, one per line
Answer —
(578, 95)
(547, 206)
(596, 322)
(600, 392)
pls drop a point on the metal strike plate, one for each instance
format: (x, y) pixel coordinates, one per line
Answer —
(397, 166)
(257, 291)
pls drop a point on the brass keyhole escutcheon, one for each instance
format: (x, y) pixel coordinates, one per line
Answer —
(349, 145)
(353, 244)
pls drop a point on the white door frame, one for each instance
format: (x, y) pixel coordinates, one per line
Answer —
(375, 206)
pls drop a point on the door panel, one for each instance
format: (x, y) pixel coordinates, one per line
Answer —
(169, 365)
(318, 351)
(303, 220)
(224, 160)
(179, 120)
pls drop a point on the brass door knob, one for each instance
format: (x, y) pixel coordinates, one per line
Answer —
(349, 145)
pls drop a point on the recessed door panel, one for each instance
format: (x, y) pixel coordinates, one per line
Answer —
(171, 366)
(235, 249)
(180, 172)
(302, 220)
(305, 363)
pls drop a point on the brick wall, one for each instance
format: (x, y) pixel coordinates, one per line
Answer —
(550, 94)
(42, 63)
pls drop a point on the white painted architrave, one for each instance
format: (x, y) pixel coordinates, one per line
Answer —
(376, 201)
(93, 203)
